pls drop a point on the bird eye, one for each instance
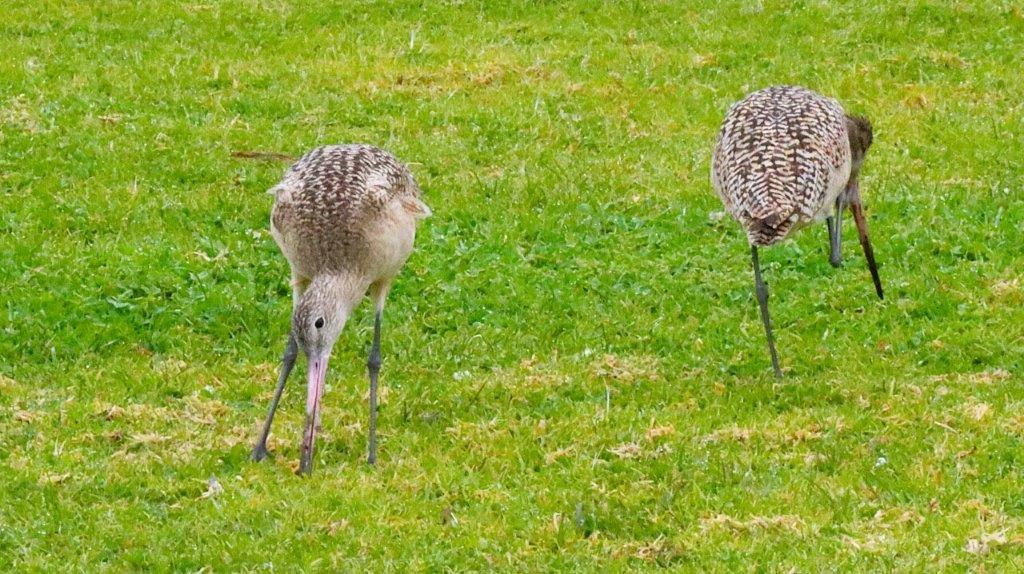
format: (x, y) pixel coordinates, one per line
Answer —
(319, 322)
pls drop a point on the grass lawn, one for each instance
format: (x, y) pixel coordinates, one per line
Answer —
(575, 372)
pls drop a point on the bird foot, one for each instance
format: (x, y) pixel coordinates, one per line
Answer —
(305, 464)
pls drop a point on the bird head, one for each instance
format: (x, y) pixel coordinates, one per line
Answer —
(858, 128)
(317, 322)
(318, 319)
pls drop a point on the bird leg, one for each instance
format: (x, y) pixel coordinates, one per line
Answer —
(835, 234)
(865, 242)
(291, 350)
(762, 299)
(373, 367)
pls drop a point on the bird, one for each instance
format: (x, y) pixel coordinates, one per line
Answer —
(787, 157)
(345, 218)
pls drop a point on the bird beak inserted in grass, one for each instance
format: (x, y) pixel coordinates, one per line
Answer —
(862, 230)
(314, 396)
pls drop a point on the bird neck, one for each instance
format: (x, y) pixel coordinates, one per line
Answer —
(342, 291)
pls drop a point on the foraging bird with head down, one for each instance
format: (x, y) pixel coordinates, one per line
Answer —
(788, 157)
(345, 217)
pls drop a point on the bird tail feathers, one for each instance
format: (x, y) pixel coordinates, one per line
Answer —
(416, 207)
(768, 228)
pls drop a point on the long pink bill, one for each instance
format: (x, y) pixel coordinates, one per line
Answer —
(314, 396)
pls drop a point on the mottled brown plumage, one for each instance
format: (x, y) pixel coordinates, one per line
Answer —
(783, 156)
(787, 157)
(345, 218)
(330, 203)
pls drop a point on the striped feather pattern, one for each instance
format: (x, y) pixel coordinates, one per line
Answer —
(330, 198)
(782, 158)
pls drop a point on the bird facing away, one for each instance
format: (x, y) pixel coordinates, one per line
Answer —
(345, 218)
(787, 157)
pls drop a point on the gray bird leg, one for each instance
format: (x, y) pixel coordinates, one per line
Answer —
(291, 351)
(835, 234)
(762, 299)
(373, 367)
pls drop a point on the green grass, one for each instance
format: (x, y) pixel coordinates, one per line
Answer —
(575, 370)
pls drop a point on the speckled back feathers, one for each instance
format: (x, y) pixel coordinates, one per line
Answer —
(328, 200)
(334, 185)
(783, 155)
